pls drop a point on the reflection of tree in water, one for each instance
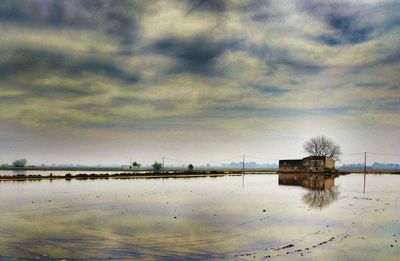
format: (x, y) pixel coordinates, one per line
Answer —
(320, 198)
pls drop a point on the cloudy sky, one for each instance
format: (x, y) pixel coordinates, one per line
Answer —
(98, 82)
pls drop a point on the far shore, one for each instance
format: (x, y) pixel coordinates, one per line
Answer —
(119, 169)
(126, 175)
(167, 173)
(180, 170)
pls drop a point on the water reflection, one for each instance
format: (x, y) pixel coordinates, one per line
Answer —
(200, 219)
(18, 172)
(320, 198)
(321, 187)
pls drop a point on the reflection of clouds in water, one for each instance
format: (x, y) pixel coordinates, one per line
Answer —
(216, 218)
(104, 233)
(321, 198)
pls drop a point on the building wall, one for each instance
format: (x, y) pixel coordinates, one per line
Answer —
(329, 163)
(308, 164)
(291, 165)
(314, 164)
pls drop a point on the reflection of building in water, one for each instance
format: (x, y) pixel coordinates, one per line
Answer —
(312, 181)
(308, 164)
(322, 189)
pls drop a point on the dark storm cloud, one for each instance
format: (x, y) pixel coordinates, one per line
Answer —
(12, 99)
(347, 30)
(352, 22)
(59, 91)
(370, 84)
(276, 58)
(126, 101)
(93, 110)
(390, 105)
(262, 17)
(103, 68)
(28, 61)
(391, 58)
(196, 55)
(47, 12)
(147, 124)
(259, 10)
(217, 6)
(159, 105)
(118, 22)
(245, 111)
(344, 21)
(165, 105)
(265, 89)
(300, 66)
(117, 18)
(254, 5)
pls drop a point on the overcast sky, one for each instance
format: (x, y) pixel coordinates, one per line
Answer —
(99, 82)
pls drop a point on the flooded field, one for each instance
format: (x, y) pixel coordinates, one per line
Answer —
(274, 217)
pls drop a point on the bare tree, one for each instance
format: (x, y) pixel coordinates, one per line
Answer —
(322, 146)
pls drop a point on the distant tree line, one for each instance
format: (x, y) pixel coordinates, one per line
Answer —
(16, 163)
(251, 164)
(353, 166)
(375, 165)
(378, 165)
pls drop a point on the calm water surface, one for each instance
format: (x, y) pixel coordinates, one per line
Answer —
(260, 217)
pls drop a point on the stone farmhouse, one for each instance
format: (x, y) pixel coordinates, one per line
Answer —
(314, 164)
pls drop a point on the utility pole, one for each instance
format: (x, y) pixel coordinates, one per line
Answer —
(365, 162)
(365, 169)
(243, 173)
(243, 164)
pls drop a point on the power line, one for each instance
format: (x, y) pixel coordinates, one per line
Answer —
(240, 158)
(353, 154)
(216, 160)
(257, 157)
(383, 153)
(370, 152)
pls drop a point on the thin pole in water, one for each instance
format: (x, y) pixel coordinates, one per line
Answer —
(365, 169)
(243, 172)
(243, 165)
